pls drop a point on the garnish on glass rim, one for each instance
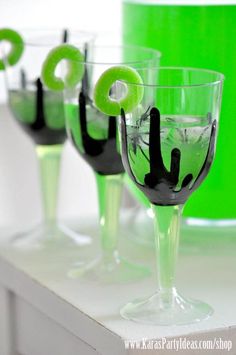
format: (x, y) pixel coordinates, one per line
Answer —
(17, 46)
(134, 94)
(75, 67)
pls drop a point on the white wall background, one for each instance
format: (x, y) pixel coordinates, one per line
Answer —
(19, 181)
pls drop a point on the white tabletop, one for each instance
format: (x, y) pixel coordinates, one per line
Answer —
(206, 270)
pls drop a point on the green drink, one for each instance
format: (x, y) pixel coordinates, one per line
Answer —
(92, 138)
(188, 134)
(167, 150)
(39, 111)
(97, 124)
(46, 127)
(199, 36)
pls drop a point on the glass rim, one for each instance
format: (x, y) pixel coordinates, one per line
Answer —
(34, 30)
(220, 79)
(156, 55)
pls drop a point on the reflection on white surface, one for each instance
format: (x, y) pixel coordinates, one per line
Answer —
(198, 222)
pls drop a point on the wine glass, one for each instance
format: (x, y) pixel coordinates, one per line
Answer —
(168, 144)
(94, 136)
(40, 113)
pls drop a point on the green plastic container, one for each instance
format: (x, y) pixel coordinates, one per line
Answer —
(197, 34)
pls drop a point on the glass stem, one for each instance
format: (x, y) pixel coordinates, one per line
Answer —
(49, 162)
(167, 228)
(109, 199)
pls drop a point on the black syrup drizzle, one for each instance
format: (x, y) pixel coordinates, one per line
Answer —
(65, 36)
(100, 154)
(85, 81)
(160, 184)
(23, 79)
(38, 130)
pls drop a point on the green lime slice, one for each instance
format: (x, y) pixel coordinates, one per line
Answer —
(132, 98)
(17, 46)
(75, 72)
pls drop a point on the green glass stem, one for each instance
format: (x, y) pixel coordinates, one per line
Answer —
(49, 162)
(109, 198)
(167, 228)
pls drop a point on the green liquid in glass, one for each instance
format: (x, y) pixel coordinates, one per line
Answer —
(97, 124)
(49, 132)
(190, 135)
(94, 139)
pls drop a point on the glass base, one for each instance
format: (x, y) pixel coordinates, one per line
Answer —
(165, 309)
(49, 235)
(116, 270)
